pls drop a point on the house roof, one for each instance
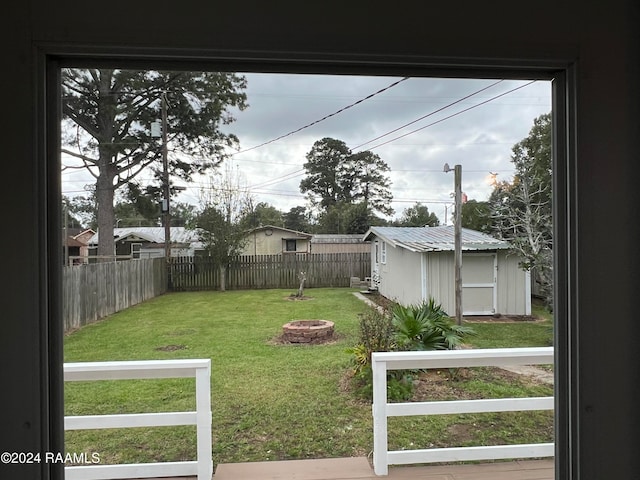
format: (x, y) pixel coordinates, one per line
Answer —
(74, 242)
(434, 239)
(294, 233)
(152, 234)
(337, 238)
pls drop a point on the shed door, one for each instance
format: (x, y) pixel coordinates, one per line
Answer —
(479, 274)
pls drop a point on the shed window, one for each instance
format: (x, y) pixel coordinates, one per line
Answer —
(383, 253)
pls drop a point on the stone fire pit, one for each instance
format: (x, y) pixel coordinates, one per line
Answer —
(307, 331)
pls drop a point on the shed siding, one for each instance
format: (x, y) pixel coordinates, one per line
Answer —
(400, 276)
(440, 279)
(513, 286)
(511, 283)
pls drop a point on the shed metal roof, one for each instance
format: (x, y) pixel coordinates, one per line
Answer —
(434, 239)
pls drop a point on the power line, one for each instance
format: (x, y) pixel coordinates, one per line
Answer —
(453, 115)
(325, 117)
(430, 114)
(297, 172)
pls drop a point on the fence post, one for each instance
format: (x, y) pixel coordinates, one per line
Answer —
(203, 421)
(379, 407)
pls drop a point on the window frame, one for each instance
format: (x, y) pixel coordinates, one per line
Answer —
(51, 58)
(287, 243)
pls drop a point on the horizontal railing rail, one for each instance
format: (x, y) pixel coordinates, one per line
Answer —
(382, 362)
(200, 369)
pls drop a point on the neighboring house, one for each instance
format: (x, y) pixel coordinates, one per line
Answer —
(412, 264)
(148, 242)
(339, 243)
(272, 240)
(75, 245)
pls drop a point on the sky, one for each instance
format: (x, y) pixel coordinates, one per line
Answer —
(415, 125)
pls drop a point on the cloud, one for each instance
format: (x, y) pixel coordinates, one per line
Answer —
(422, 124)
(479, 138)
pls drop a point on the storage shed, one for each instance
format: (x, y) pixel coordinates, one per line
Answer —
(412, 264)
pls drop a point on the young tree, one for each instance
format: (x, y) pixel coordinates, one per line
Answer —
(220, 222)
(521, 210)
(107, 115)
(298, 218)
(477, 216)
(417, 216)
(347, 218)
(262, 214)
(81, 210)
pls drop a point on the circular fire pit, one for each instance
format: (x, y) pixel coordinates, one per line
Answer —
(307, 331)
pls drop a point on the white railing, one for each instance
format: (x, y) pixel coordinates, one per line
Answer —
(146, 369)
(499, 357)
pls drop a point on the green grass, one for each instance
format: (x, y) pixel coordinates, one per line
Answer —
(516, 334)
(270, 401)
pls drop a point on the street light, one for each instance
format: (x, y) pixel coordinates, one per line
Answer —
(457, 225)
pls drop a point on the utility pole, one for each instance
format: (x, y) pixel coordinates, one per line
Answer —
(457, 236)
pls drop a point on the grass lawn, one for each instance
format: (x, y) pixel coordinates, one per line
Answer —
(270, 401)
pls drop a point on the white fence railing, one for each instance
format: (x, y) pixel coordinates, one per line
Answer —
(147, 369)
(499, 357)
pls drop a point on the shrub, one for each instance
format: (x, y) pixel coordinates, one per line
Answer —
(415, 327)
(376, 335)
(426, 326)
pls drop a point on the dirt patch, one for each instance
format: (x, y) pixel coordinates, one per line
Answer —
(294, 298)
(501, 318)
(448, 384)
(170, 348)
(282, 340)
(387, 304)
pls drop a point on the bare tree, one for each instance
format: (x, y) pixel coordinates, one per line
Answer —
(224, 206)
(521, 210)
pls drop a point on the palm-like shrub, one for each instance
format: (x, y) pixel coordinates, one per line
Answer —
(426, 326)
(416, 327)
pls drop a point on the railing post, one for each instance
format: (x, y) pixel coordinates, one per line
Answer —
(203, 428)
(379, 407)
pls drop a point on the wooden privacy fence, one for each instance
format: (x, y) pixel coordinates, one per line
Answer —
(93, 291)
(270, 271)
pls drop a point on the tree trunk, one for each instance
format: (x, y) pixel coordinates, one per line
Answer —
(223, 278)
(302, 277)
(104, 197)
